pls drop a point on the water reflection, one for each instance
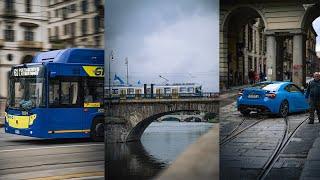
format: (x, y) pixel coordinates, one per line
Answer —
(160, 144)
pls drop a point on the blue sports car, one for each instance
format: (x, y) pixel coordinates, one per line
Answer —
(273, 97)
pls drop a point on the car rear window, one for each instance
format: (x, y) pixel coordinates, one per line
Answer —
(267, 86)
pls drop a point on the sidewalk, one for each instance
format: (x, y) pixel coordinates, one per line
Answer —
(311, 169)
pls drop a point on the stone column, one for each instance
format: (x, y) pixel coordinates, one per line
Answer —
(271, 57)
(298, 75)
(245, 61)
(223, 64)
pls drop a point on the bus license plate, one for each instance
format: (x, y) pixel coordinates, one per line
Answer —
(253, 96)
(17, 131)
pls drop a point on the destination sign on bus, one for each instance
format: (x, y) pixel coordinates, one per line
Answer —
(29, 71)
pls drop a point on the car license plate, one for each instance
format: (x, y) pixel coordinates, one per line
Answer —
(17, 131)
(253, 96)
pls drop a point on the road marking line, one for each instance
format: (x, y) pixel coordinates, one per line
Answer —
(51, 147)
(72, 176)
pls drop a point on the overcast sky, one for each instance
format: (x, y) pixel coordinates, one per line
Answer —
(175, 39)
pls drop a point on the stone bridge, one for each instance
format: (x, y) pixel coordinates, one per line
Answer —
(184, 117)
(126, 120)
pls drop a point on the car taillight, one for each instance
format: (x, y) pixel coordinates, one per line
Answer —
(271, 95)
(240, 93)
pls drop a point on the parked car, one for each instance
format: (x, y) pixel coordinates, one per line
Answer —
(275, 97)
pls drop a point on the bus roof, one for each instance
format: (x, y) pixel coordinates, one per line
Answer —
(71, 55)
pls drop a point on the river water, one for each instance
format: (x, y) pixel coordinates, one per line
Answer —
(160, 145)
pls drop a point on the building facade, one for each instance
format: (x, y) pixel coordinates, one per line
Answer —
(23, 33)
(312, 60)
(247, 53)
(288, 48)
(76, 23)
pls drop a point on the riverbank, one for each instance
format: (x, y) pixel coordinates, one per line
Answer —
(199, 161)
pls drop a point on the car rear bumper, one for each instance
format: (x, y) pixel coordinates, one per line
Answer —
(258, 108)
(265, 105)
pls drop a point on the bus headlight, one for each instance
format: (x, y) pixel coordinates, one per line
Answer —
(32, 118)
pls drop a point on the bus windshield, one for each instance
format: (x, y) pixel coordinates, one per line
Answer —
(26, 90)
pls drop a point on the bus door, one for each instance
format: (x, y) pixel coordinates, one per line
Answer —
(93, 100)
(65, 113)
(138, 93)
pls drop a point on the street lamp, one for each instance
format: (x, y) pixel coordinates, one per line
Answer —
(109, 83)
(127, 63)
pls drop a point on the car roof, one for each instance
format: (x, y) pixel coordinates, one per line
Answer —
(276, 82)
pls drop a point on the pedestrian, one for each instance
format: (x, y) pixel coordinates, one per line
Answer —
(255, 77)
(231, 77)
(313, 94)
(261, 76)
(251, 76)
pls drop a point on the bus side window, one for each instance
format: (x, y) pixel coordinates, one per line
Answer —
(65, 97)
(93, 90)
(69, 93)
(54, 92)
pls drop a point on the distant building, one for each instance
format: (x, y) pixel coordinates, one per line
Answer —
(23, 32)
(312, 60)
(77, 23)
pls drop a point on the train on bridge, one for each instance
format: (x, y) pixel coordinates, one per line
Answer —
(176, 90)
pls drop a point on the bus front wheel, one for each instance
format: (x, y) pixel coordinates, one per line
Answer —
(97, 129)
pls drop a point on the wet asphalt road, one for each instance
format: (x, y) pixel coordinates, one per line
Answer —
(30, 158)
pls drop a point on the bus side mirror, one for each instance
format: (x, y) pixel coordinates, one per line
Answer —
(53, 74)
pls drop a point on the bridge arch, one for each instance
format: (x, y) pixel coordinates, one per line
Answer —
(169, 118)
(309, 16)
(242, 8)
(131, 117)
(138, 130)
(237, 54)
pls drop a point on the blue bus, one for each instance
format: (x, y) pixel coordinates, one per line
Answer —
(58, 95)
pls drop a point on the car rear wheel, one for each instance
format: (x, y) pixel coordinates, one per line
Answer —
(97, 129)
(245, 112)
(284, 108)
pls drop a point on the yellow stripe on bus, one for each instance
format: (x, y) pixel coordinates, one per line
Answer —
(91, 104)
(69, 131)
(94, 71)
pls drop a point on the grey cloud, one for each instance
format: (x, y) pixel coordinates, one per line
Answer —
(177, 39)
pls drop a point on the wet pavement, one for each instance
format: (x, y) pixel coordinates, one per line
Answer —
(31, 158)
(245, 156)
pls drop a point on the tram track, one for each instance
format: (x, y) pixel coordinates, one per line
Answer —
(238, 130)
(283, 143)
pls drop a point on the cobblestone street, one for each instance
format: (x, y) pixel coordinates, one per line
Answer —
(246, 155)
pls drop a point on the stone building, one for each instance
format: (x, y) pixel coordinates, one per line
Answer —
(23, 33)
(312, 60)
(247, 52)
(288, 39)
(77, 23)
